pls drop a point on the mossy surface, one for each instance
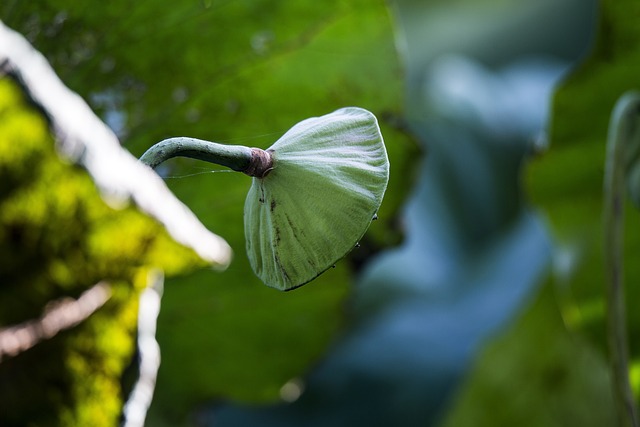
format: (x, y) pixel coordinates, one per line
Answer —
(58, 238)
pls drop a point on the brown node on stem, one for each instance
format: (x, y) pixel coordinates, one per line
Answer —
(261, 163)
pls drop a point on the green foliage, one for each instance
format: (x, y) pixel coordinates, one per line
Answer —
(550, 367)
(242, 72)
(567, 181)
(57, 239)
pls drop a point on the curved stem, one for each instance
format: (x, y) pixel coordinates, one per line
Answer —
(235, 157)
(623, 133)
(251, 161)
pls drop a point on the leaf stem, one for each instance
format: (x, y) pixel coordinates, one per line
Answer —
(251, 161)
(623, 132)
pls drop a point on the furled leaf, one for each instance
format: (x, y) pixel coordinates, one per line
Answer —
(328, 178)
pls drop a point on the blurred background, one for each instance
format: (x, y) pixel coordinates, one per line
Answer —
(448, 313)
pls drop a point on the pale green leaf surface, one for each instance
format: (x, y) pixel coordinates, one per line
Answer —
(327, 183)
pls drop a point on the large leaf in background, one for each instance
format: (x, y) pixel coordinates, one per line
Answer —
(558, 374)
(236, 72)
(536, 374)
(402, 360)
(474, 253)
(567, 180)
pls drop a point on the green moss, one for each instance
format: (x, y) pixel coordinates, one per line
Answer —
(57, 239)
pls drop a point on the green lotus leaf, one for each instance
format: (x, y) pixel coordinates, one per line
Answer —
(328, 179)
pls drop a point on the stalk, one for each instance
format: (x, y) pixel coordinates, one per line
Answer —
(250, 161)
(623, 133)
